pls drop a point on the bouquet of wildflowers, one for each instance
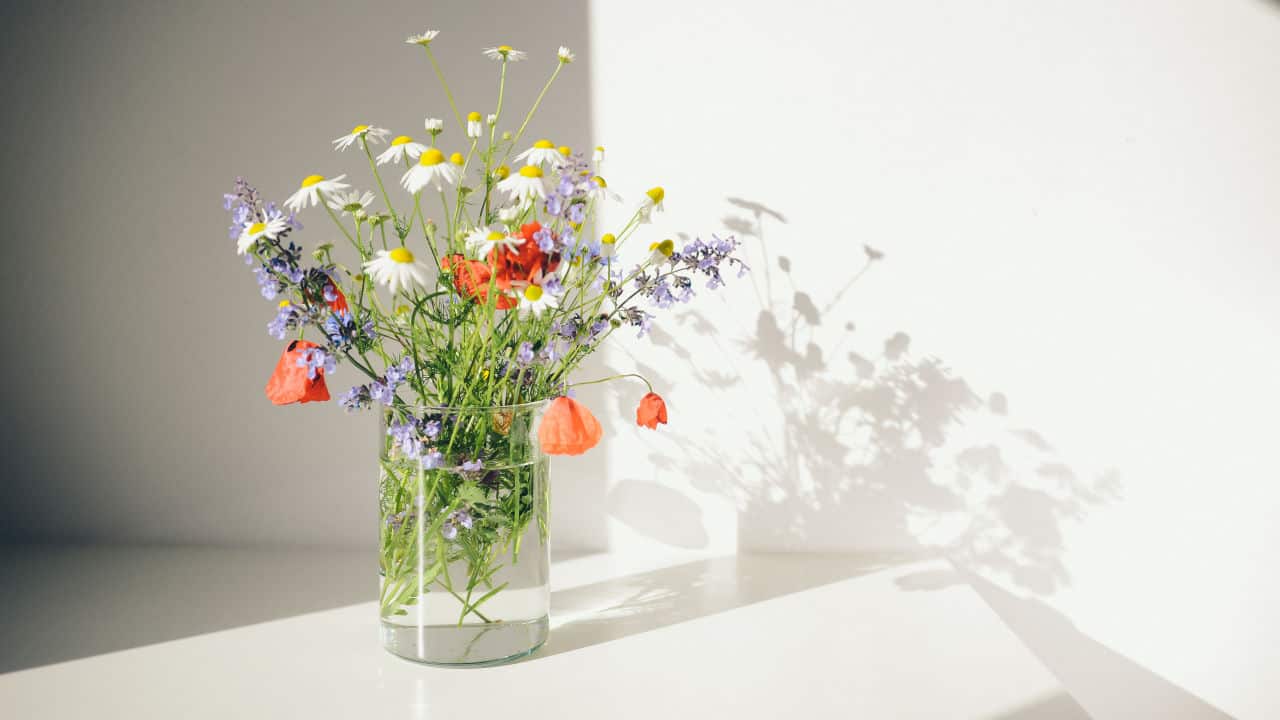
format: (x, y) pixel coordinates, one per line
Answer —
(467, 283)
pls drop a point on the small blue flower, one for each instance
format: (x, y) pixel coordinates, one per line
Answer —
(545, 239)
(315, 360)
(432, 459)
(473, 465)
(382, 392)
(431, 429)
(524, 355)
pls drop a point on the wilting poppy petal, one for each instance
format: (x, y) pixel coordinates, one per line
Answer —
(652, 410)
(568, 428)
(290, 384)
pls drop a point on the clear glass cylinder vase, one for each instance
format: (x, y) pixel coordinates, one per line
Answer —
(463, 504)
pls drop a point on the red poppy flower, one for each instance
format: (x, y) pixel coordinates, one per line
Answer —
(524, 263)
(568, 428)
(652, 410)
(290, 384)
(471, 280)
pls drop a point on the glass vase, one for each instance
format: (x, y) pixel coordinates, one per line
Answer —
(463, 504)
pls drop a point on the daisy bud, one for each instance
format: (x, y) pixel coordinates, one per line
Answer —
(660, 252)
(473, 125)
(608, 245)
(565, 54)
(492, 119)
(433, 125)
(457, 159)
(598, 156)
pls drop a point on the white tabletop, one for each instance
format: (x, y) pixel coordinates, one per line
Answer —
(742, 636)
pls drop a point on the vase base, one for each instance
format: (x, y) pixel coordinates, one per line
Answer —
(472, 645)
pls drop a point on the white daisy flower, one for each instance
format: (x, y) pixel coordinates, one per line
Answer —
(505, 52)
(350, 202)
(599, 191)
(565, 54)
(433, 125)
(432, 169)
(660, 252)
(652, 201)
(397, 269)
(373, 135)
(525, 185)
(483, 240)
(608, 245)
(474, 128)
(534, 300)
(255, 231)
(598, 156)
(543, 152)
(401, 148)
(423, 39)
(309, 193)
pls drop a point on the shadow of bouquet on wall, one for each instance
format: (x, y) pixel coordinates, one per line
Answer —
(868, 448)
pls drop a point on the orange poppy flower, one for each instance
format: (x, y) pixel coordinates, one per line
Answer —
(652, 410)
(471, 280)
(290, 384)
(524, 263)
(568, 428)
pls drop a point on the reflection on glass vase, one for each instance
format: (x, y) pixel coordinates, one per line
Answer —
(463, 507)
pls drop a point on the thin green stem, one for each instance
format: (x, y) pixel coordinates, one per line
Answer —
(448, 93)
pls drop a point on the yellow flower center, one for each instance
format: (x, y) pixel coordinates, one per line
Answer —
(608, 239)
(533, 293)
(599, 181)
(457, 159)
(402, 140)
(403, 310)
(494, 236)
(401, 255)
(531, 171)
(359, 129)
(502, 172)
(504, 49)
(544, 144)
(310, 180)
(256, 228)
(666, 247)
(656, 194)
(564, 150)
(283, 303)
(431, 156)
(473, 116)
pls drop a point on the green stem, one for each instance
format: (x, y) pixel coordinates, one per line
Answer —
(449, 94)
(638, 376)
(532, 110)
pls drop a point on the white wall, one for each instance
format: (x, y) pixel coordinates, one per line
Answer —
(1077, 203)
